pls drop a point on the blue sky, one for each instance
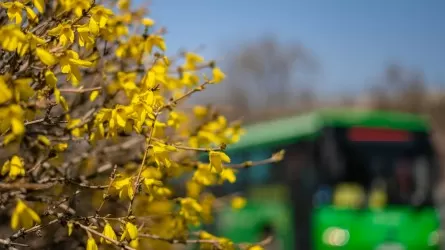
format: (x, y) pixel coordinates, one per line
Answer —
(352, 39)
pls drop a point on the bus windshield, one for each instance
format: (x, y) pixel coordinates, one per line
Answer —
(383, 167)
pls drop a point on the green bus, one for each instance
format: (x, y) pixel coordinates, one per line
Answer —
(350, 179)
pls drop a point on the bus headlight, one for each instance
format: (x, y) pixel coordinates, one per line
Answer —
(433, 238)
(336, 236)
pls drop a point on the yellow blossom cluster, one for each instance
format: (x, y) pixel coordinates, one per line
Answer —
(90, 104)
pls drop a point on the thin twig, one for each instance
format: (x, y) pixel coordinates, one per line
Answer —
(112, 178)
(27, 186)
(188, 148)
(247, 164)
(177, 241)
(174, 102)
(115, 242)
(141, 167)
(80, 90)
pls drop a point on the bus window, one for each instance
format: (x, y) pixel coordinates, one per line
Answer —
(393, 167)
(421, 180)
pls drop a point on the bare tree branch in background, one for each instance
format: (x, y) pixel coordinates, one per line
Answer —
(263, 75)
(401, 89)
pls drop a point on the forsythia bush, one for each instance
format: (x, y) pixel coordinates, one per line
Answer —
(92, 138)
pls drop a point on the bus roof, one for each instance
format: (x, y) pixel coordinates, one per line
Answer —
(293, 128)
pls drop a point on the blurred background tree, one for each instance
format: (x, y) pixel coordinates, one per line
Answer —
(266, 77)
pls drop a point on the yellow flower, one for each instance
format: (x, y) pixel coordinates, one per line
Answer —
(78, 6)
(207, 203)
(141, 109)
(130, 232)
(218, 75)
(50, 79)
(46, 57)
(204, 176)
(127, 82)
(85, 38)
(94, 95)
(131, 49)
(70, 226)
(115, 29)
(12, 117)
(22, 89)
(12, 37)
(60, 147)
(175, 119)
(193, 189)
(44, 140)
(23, 216)
(99, 18)
(64, 32)
(154, 76)
(14, 167)
(60, 99)
(119, 116)
(154, 40)
(150, 183)
(190, 210)
(15, 10)
(125, 188)
(123, 4)
(160, 192)
(235, 132)
(39, 4)
(91, 244)
(5, 92)
(154, 188)
(228, 174)
(31, 15)
(74, 126)
(134, 243)
(217, 159)
(109, 232)
(191, 59)
(189, 79)
(238, 203)
(151, 173)
(161, 154)
(225, 244)
(32, 42)
(69, 64)
(256, 247)
(148, 22)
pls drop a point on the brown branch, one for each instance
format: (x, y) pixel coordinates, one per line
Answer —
(141, 167)
(28, 186)
(247, 164)
(85, 119)
(34, 122)
(174, 102)
(80, 90)
(115, 242)
(49, 211)
(195, 149)
(9, 243)
(46, 184)
(189, 148)
(112, 178)
(178, 241)
(35, 228)
(262, 243)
